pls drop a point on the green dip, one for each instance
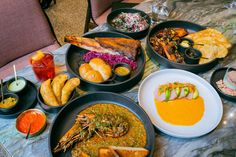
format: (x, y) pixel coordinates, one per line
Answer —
(17, 85)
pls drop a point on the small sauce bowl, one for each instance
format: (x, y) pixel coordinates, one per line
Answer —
(16, 86)
(185, 44)
(32, 120)
(122, 71)
(192, 56)
(11, 108)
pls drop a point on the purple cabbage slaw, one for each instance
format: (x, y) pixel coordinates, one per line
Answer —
(109, 58)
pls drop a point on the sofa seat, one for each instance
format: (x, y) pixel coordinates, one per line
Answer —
(24, 29)
(21, 62)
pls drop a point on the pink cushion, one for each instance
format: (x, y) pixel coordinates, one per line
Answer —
(103, 17)
(23, 29)
(22, 62)
(99, 6)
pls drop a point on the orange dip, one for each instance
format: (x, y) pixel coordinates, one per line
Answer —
(36, 119)
(181, 111)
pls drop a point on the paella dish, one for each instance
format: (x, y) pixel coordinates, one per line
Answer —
(103, 127)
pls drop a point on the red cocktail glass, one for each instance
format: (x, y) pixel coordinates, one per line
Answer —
(43, 65)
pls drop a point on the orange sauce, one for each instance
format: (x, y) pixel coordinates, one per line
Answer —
(36, 119)
(181, 111)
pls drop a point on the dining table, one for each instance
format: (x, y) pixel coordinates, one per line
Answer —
(221, 142)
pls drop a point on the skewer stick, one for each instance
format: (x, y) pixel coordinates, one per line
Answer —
(14, 67)
(2, 90)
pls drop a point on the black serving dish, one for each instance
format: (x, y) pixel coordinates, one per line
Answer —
(135, 35)
(27, 100)
(156, 57)
(217, 75)
(74, 58)
(121, 77)
(12, 108)
(53, 109)
(66, 118)
(192, 56)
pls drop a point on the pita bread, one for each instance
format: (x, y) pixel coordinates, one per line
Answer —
(213, 44)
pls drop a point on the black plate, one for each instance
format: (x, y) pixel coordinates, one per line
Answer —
(191, 27)
(74, 59)
(66, 117)
(135, 35)
(217, 75)
(27, 99)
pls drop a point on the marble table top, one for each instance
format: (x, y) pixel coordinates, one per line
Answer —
(219, 14)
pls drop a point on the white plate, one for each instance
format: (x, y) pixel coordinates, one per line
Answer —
(213, 105)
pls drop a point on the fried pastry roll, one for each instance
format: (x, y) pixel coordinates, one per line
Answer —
(47, 93)
(57, 85)
(68, 88)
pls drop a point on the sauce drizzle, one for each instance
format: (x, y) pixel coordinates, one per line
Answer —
(184, 111)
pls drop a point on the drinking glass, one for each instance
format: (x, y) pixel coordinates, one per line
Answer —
(160, 10)
(44, 68)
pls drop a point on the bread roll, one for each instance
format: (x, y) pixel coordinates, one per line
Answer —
(101, 66)
(96, 71)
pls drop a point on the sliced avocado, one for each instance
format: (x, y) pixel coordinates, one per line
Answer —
(186, 91)
(195, 94)
(168, 91)
(177, 91)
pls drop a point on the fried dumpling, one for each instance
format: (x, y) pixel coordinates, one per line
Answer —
(68, 88)
(47, 93)
(57, 85)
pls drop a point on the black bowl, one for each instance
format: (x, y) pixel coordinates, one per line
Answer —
(53, 109)
(217, 75)
(12, 80)
(135, 35)
(74, 58)
(156, 57)
(192, 56)
(12, 108)
(121, 77)
(66, 118)
(182, 48)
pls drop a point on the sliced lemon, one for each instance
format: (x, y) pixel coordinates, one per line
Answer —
(38, 56)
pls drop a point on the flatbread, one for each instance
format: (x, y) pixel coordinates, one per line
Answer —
(213, 44)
